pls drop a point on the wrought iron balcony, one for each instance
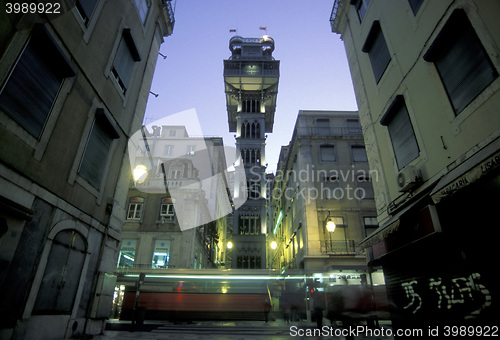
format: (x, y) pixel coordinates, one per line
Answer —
(340, 247)
(168, 12)
(328, 132)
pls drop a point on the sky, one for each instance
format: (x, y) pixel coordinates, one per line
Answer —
(314, 73)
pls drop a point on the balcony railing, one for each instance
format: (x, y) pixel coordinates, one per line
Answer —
(327, 132)
(340, 247)
(142, 268)
(168, 12)
(333, 16)
(256, 69)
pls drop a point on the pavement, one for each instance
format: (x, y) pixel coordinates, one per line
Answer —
(233, 330)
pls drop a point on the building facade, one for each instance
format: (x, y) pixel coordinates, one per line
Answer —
(322, 177)
(426, 80)
(74, 81)
(251, 77)
(323, 206)
(164, 225)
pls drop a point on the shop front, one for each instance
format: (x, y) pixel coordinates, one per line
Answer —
(438, 251)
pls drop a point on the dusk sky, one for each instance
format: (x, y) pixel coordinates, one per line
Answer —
(314, 74)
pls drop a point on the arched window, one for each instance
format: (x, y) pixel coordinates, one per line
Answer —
(245, 130)
(257, 129)
(62, 274)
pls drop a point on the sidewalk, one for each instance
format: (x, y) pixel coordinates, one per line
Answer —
(220, 330)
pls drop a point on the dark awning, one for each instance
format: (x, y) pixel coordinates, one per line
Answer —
(468, 172)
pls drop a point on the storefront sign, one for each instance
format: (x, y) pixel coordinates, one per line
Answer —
(468, 178)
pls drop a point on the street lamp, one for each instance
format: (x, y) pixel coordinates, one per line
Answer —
(274, 245)
(140, 173)
(229, 245)
(330, 225)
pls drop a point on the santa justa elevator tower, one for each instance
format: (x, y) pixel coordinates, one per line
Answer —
(251, 84)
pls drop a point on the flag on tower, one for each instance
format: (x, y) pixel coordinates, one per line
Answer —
(263, 28)
(232, 30)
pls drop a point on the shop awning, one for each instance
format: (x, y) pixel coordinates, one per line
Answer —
(468, 172)
(381, 233)
(390, 225)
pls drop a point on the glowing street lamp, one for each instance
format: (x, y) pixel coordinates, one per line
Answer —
(140, 173)
(229, 245)
(330, 225)
(274, 245)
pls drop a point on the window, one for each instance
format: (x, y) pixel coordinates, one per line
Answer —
(143, 8)
(323, 127)
(251, 106)
(191, 149)
(370, 222)
(86, 9)
(62, 274)
(168, 150)
(135, 208)
(161, 254)
(167, 209)
(461, 61)
(250, 130)
(361, 7)
(126, 56)
(332, 188)
(253, 188)
(249, 225)
(353, 126)
(248, 262)
(95, 156)
(359, 153)
(127, 253)
(415, 5)
(33, 85)
(327, 153)
(250, 156)
(401, 132)
(377, 51)
(176, 172)
(366, 187)
(255, 130)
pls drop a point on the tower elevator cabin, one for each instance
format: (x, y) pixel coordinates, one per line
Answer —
(251, 77)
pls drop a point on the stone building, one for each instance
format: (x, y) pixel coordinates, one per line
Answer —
(74, 82)
(425, 74)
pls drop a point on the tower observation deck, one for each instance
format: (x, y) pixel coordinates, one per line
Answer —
(251, 77)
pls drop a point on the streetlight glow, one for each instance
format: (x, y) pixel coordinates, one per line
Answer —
(140, 173)
(330, 226)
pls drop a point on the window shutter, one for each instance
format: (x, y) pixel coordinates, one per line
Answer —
(377, 50)
(96, 151)
(402, 136)
(462, 63)
(33, 85)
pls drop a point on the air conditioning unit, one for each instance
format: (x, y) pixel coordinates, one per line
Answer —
(408, 178)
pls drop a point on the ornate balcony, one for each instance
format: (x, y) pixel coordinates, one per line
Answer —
(340, 247)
